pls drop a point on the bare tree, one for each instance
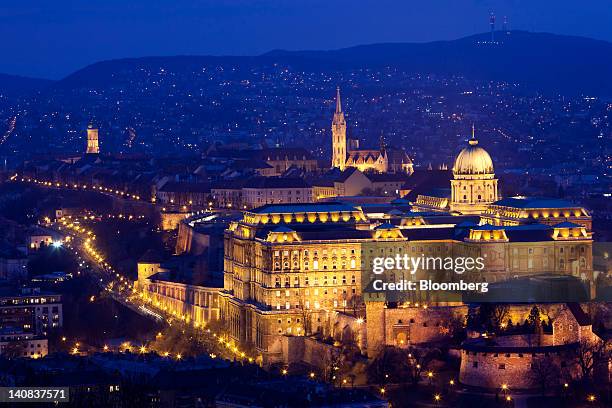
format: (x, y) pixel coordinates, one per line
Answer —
(306, 316)
(15, 349)
(499, 313)
(544, 373)
(419, 360)
(588, 354)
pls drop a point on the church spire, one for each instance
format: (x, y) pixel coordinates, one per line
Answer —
(338, 135)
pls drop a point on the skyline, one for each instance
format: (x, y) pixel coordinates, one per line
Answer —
(55, 40)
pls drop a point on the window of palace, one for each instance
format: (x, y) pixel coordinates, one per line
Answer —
(278, 293)
(502, 366)
(475, 364)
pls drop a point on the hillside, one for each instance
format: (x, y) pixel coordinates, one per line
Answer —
(13, 85)
(543, 62)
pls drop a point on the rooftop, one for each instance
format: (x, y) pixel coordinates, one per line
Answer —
(303, 208)
(535, 202)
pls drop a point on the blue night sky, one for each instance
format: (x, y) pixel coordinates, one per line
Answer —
(50, 39)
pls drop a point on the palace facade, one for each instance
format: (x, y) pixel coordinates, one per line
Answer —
(286, 265)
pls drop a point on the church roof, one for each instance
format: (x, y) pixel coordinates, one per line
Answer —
(362, 156)
(397, 156)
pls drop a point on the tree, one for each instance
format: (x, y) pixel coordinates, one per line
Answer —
(499, 313)
(14, 349)
(306, 316)
(544, 373)
(588, 354)
(389, 363)
(419, 360)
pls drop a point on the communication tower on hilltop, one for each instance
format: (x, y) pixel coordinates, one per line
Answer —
(492, 23)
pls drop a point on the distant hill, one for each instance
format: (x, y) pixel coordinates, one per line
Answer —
(14, 85)
(541, 61)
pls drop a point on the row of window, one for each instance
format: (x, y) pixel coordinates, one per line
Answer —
(311, 282)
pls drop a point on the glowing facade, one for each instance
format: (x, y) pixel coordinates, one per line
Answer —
(92, 140)
(287, 266)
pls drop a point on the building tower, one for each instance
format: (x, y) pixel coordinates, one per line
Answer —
(92, 140)
(492, 23)
(338, 135)
(474, 185)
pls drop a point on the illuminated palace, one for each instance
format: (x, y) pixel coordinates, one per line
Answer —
(295, 270)
(346, 152)
(289, 266)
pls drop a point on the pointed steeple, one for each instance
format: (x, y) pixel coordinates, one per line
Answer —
(338, 135)
(338, 114)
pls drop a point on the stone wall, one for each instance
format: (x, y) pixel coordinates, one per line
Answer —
(492, 369)
(300, 349)
(407, 326)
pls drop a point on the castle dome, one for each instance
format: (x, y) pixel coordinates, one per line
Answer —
(473, 160)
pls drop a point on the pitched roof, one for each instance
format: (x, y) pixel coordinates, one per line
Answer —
(581, 317)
